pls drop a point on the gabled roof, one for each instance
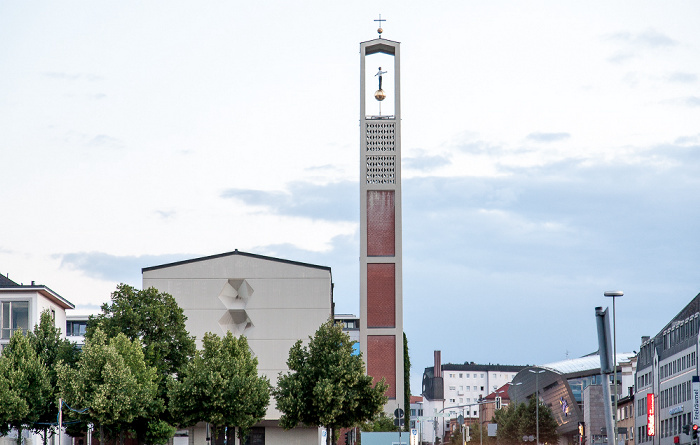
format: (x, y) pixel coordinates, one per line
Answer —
(235, 252)
(6, 282)
(501, 392)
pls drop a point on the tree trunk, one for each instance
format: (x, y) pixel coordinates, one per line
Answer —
(102, 435)
(19, 435)
(329, 435)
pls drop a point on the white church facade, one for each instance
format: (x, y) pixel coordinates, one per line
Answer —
(271, 301)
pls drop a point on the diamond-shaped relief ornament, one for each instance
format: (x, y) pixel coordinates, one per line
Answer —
(235, 294)
(236, 321)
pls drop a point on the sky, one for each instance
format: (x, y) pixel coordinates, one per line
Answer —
(550, 150)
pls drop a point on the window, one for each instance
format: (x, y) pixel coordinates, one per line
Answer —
(14, 316)
(256, 436)
(460, 375)
(482, 376)
(467, 375)
(76, 328)
(467, 388)
(452, 388)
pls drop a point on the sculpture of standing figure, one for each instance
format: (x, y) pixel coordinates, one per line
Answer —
(380, 76)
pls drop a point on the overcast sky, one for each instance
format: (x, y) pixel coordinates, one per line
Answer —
(551, 152)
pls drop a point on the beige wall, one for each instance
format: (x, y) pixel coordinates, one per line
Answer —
(284, 302)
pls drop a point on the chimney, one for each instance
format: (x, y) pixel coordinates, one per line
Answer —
(437, 370)
(32, 282)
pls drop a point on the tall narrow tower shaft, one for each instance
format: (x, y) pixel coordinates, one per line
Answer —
(381, 302)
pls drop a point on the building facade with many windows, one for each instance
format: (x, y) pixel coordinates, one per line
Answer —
(667, 364)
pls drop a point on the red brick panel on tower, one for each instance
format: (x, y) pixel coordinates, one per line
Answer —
(381, 223)
(381, 360)
(381, 295)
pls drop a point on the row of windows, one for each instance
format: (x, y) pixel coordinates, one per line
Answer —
(76, 328)
(644, 380)
(675, 395)
(466, 388)
(453, 375)
(464, 400)
(624, 412)
(642, 406)
(673, 426)
(683, 330)
(642, 434)
(678, 365)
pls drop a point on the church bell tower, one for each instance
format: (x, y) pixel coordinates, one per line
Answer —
(381, 301)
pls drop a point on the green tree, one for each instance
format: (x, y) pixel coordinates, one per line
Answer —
(406, 384)
(223, 379)
(326, 384)
(381, 423)
(158, 322)
(26, 380)
(51, 349)
(520, 419)
(480, 434)
(112, 382)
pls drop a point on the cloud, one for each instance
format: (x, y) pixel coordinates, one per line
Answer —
(682, 77)
(338, 201)
(104, 141)
(683, 140)
(693, 101)
(634, 43)
(479, 147)
(166, 214)
(425, 163)
(71, 76)
(649, 38)
(548, 137)
(121, 269)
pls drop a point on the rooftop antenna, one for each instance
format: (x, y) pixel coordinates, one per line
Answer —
(380, 30)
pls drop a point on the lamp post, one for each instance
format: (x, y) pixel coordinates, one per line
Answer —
(537, 407)
(613, 295)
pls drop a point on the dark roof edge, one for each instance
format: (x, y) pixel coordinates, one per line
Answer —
(235, 252)
(45, 290)
(478, 367)
(379, 39)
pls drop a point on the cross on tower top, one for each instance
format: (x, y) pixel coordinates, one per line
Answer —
(380, 30)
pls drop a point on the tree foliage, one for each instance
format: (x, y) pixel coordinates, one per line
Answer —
(24, 385)
(112, 381)
(52, 349)
(406, 383)
(326, 384)
(520, 419)
(381, 423)
(152, 317)
(223, 379)
(156, 320)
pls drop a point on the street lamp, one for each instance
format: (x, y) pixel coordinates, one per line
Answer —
(537, 407)
(614, 294)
